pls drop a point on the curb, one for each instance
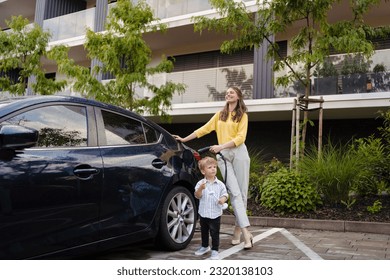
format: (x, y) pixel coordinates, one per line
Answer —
(331, 225)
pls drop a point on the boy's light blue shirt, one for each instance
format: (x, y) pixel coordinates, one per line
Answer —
(208, 203)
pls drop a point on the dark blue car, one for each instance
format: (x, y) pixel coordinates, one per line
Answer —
(78, 175)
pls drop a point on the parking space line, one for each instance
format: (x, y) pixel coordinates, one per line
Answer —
(239, 247)
(301, 246)
(297, 243)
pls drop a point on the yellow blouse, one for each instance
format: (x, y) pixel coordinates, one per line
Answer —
(226, 131)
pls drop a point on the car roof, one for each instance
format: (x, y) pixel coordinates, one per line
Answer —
(15, 103)
(12, 104)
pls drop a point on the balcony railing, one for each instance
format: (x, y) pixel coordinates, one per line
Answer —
(70, 25)
(347, 84)
(74, 24)
(208, 84)
(172, 8)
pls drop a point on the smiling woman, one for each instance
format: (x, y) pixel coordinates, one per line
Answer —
(231, 125)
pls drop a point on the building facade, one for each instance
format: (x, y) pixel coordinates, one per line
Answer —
(206, 72)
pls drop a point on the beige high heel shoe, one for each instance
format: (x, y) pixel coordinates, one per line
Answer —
(248, 238)
(236, 236)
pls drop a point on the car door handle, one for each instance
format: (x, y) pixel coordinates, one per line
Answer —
(158, 163)
(85, 172)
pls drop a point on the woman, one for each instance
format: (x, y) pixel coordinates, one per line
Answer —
(231, 125)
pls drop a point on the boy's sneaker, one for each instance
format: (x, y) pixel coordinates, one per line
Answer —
(202, 251)
(214, 255)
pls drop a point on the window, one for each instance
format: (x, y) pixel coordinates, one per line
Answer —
(381, 43)
(58, 125)
(151, 134)
(282, 48)
(211, 59)
(13, 76)
(51, 76)
(214, 59)
(121, 130)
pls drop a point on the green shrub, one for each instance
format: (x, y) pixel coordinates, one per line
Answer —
(385, 128)
(256, 163)
(256, 159)
(258, 176)
(384, 131)
(371, 151)
(335, 173)
(326, 69)
(287, 191)
(375, 208)
(255, 182)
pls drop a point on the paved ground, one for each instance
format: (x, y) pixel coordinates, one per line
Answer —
(275, 244)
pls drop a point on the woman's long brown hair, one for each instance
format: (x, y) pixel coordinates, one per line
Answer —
(238, 112)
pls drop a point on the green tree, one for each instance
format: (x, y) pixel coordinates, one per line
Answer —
(21, 49)
(124, 54)
(314, 38)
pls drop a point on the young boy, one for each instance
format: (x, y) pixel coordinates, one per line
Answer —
(212, 195)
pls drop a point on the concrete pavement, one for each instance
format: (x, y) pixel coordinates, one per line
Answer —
(332, 225)
(273, 243)
(298, 244)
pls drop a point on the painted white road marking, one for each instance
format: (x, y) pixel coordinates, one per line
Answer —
(301, 246)
(240, 246)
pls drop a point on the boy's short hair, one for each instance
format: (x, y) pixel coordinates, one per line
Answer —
(206, 161)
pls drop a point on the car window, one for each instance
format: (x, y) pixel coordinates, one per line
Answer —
(151, 134)
(58, 125)
(121, 130)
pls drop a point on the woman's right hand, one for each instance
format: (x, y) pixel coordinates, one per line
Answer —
(177, 138)
(185, 139)
(216, 149)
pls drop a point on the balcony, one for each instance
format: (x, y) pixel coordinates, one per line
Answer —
(370, 81)
(75, 24)
(70, 25)
(208, 85)
(172, 8)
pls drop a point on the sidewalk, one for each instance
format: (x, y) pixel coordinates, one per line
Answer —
(331, 225)
(303, 244)
(270, 243)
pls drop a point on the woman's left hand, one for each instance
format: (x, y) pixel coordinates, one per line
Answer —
(215, 149)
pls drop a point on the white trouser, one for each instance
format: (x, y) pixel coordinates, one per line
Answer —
(237, 181)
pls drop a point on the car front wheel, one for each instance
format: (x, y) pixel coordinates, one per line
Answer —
(178, 219)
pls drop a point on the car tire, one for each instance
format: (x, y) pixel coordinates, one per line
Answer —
(178, 220)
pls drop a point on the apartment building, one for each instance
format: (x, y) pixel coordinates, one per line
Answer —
(206, 72)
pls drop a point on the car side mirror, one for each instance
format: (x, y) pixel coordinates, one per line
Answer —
(17, 137)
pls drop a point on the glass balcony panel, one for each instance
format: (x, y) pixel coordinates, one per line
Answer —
(171, 8)
(71, 25)
(197, 6)
(175, 7)
(380, 81)
(208, 85)
(52, 26)
(197, 83)
(372, 81)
